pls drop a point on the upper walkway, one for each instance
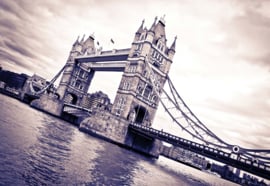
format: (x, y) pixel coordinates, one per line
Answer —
(112, 60)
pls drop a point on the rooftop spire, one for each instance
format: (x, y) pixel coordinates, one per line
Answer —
(92, 36)
(77, 41)
(162, 19)
(82, 38)
(173, 44)
(140, 30)
(154, 24)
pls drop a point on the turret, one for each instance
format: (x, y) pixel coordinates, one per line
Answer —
(171, 50)
(76, 46)
(153, 25)
(89, 45)
(139, 32)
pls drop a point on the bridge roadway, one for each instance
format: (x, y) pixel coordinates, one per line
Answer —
(218, 155)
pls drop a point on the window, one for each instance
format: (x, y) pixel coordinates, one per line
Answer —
(132, 68)
(78, 83)
(77, 71)
(145, 73)
(139, 47)
(81, 73)
(73, 82)
(126, 85)
(156, 64)
(154, 98)
(147, 91)
(119, 105)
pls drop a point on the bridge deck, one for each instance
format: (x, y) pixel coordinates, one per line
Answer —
(218, 155)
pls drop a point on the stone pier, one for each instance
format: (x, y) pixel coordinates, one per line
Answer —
(115, 129)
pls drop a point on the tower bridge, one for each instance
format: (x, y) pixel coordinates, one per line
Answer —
(128, 121)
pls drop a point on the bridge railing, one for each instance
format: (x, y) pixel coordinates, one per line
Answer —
(68, 105)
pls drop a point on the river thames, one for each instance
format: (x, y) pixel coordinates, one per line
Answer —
(39, 149)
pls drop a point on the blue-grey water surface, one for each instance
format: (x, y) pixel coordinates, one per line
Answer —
(39, 149)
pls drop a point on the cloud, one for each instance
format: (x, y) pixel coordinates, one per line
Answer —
(249, 33)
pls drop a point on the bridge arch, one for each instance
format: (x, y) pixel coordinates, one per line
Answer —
(71, 98)
(139, 114)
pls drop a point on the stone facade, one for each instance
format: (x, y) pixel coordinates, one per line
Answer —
(76, 78)
(110, 127)
(137, 98)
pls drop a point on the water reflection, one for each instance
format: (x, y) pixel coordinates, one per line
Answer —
(115, 166)
(47, 157)
(38, 149)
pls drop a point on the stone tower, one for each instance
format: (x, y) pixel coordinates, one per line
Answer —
(136, 99)
(76, 77)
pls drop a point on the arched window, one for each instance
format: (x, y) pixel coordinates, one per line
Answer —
(81, 73)
(145, 74)
(126, 85)
(162, 48)
(71, 98)
(73, 82)
(147, 91)
(119, 105)
(78, 83)
(154, 98)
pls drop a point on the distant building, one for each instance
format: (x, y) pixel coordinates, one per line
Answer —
(32, 86)
(96, 101)
(12, 79)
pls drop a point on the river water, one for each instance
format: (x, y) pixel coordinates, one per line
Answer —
(39, 149)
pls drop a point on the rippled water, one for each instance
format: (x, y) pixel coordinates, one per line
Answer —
(38, 149)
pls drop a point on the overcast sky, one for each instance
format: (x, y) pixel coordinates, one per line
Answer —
(221, 66)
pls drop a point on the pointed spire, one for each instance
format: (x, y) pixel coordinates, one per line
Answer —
(140, 30)
(92, 36)
(77, 41)
(154, 24)
(82, 38)
(173, 44)
(162, 19)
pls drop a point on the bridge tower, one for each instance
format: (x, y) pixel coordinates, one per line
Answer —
(136, 99)
(77, 77)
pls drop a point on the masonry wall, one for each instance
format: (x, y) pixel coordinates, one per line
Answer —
(115, 129)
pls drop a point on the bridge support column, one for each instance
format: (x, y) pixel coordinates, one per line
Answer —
(144, 144)
(115, 129)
